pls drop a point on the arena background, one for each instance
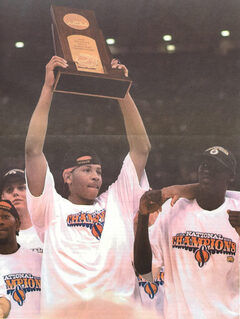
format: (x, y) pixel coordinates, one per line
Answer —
(189, 99)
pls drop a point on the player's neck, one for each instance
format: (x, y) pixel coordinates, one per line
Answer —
(9, 247)
(80, 201)
(210, 201)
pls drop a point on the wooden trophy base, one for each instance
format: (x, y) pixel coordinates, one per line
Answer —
(90, 84)
(79, 41)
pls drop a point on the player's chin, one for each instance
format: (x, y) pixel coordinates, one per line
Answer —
(92, 193)
(18, 205)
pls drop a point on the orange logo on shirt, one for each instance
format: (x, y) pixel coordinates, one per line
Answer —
(151, 288)
(202, 255)
(19, 295)
(17, 285)
(94, 221)
(203, 245)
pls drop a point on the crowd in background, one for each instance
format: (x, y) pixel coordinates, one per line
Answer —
(187, 101)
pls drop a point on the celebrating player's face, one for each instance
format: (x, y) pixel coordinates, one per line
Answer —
(8, 226)
(85, 184)
(16, 193)
(211, 173)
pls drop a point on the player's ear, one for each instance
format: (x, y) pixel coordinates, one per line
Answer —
(67, 176)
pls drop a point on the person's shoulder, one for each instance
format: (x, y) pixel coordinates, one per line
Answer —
(102, 198)
(233, 202)
(169, 211)
(29, 253)
(185, 202)
(180, 204)
(232, 194)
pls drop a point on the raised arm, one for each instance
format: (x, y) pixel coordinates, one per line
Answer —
(34, 157)
(136, 134)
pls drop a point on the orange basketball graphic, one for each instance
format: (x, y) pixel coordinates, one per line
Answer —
(202, 256)
(19, 295)
(151, 289)
(97, 230)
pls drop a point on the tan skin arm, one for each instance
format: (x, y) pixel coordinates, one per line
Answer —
(188, 191)
(136, 134)
(150, 202)
(34, 157)
(5, 307)
(158, 197)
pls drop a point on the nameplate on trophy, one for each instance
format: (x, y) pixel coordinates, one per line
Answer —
(78, 39)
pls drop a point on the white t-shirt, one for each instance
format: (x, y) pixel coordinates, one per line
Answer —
(3, 292)
(21, 275)
(28, 238)
(87, 248)
(200, 253)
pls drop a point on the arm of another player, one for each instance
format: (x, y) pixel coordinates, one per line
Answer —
(188, 191)
(150, 202)
(34, 157)
(136, 134)
(5, 307)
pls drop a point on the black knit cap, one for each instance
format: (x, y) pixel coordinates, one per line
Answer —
(223, 156)
(12, 176)
(8, 207)
(81, 157)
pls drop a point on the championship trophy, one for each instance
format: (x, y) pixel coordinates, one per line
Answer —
(78, 39)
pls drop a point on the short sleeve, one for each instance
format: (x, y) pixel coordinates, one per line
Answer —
(127, 190)
(41, 207)
(233, 194)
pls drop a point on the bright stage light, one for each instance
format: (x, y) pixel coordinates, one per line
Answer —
(167, 37)
(19, 44)
(171, 48)
(110, 41)
(225, 33)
